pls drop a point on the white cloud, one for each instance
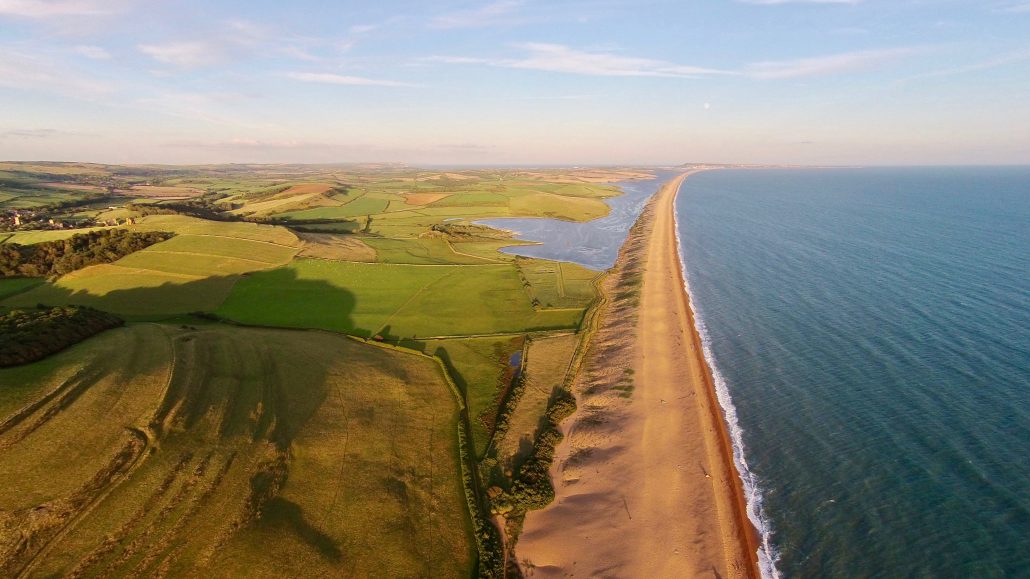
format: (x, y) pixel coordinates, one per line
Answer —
(183, 54)
(498, 12)
(33, 71)
(824, 65)
(561, 58)
(340, 79)
(94, 52)
(51, 8)
(1016, 8)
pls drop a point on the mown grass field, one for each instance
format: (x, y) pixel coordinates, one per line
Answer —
(156, 450)
(396, 300)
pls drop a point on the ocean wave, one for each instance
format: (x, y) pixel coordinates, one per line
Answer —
(767, 553)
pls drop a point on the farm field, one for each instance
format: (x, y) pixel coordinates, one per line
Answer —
(408, 301)
(232, 452)
(483, 368)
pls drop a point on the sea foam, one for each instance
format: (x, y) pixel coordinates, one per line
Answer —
(767, 553)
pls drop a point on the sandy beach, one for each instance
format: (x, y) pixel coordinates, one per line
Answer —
(644, 480)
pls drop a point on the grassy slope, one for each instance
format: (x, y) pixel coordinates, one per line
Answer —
(368, 486)
(16, 285)
(193, 271)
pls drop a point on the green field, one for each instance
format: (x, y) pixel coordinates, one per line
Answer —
(16, 285)
(482, 368)
(232, 452)
(396, 300)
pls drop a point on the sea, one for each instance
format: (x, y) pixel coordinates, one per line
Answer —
(869, 331)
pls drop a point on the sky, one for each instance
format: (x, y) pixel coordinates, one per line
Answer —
(543, 82)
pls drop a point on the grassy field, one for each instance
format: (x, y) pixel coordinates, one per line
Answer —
(155, 450)
(555, 284)
(547, 361)
(12, 286)
(193, 271)
(483, 369)
(395, 300)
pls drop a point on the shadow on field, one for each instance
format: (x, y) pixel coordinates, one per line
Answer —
(280, 512)
(281, 299)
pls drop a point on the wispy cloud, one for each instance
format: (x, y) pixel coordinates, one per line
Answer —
(825, 65)
(499, 12)
(1023, 8)
(561, 58)
(30, 133)
(188, 54)
(51, 8)
(992, 63)
(94, 52)
(346, 80)
(247, 144)
(33, 71)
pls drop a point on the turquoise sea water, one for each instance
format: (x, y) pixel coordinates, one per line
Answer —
(873, 329)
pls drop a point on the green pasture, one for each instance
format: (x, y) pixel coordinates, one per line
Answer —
(399, 300)
(482, 369)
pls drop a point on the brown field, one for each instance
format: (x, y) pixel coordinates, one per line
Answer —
(308, 188)
(75, 187)
(335, 246)
(162, 192)
(424, 198)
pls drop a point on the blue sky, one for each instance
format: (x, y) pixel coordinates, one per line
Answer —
(516, 81)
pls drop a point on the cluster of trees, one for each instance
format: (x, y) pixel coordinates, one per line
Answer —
(30, 335)
(531, 486)
(54, 258)
(202, 208)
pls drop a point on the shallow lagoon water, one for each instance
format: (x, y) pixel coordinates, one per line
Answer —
(594, 244)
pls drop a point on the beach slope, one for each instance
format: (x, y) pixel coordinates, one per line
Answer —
(644, 480)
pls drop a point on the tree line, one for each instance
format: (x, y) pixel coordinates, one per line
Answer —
(55, 258)
(30, 335)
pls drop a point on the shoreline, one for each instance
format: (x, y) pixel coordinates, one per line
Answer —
(645, 479)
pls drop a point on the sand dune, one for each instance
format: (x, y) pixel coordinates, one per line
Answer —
(644, 480)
